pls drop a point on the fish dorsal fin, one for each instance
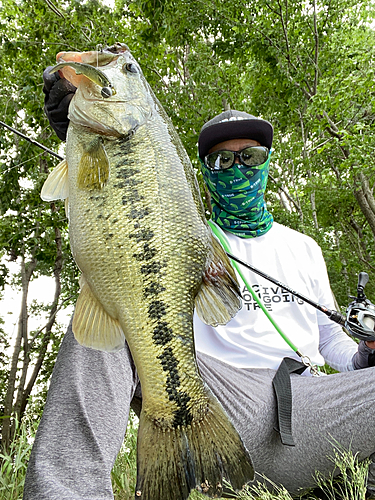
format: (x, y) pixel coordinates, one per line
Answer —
(218, 299)
(93, 326)
(56, 186)
(93, 168)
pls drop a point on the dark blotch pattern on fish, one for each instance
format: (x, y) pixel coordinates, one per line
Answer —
(132, 197)
(169, 362)
(126, 173)
(128, 183)
(162, 336)
(162, 333)
(157, 309)
(143, 235)
(138, 213)
(182, 416)
(147, 254)
(125, 148)
(153, 289)
(152, 268)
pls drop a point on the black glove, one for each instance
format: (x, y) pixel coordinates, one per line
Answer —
(58, 94)
(364, 357)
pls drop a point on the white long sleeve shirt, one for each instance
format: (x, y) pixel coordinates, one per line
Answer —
(249, 340)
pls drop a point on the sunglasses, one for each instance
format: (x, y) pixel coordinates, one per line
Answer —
(251, 156)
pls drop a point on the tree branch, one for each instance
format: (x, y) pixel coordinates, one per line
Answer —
(353, 243)
(51, 320)
(316, 37)
(281, 188)
(359, 233)
(21, 335)
(364, 206)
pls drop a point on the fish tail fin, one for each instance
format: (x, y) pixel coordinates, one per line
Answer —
(218, 299)
(173, 461)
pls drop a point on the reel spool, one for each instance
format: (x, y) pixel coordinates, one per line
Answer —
(360, 314)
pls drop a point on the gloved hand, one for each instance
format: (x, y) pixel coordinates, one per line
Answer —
(364, 357)
(58, 94)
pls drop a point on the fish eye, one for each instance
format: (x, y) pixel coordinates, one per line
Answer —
(130, 68)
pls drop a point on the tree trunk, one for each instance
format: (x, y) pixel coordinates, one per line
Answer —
(344, 263)
(305, 154)
(361, 243)
(26, 274)
(20, 409)
(313, 205)
(367, 191)
(365, 200)
(361, 189)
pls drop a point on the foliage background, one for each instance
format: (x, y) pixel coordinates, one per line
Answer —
(306, 66)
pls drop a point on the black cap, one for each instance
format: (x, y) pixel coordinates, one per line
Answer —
(233, 124)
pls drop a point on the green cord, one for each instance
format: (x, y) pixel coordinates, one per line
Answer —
(225, 244)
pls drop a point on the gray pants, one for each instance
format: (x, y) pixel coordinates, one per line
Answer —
(86, 414)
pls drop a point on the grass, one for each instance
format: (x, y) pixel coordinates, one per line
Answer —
(124, 471)
(13, 464)
(349, 485)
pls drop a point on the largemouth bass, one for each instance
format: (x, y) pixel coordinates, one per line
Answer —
(147, 256)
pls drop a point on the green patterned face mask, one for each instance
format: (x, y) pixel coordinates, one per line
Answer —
(237, 199)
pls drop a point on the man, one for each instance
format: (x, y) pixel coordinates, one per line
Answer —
(86, 413)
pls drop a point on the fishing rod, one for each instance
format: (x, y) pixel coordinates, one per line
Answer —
(359, 318)
(31, 140)
(360, 314)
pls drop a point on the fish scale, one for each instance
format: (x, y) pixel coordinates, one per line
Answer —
(139, 236)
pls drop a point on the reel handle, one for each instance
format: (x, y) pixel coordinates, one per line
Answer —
(362, 282)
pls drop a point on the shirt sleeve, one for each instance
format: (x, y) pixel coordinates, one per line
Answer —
(336, 347)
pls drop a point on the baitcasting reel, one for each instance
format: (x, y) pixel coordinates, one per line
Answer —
(360, 314)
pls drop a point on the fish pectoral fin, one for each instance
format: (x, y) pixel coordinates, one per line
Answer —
(56, 186)
(93, 326)
(219, 298)
(93, 168)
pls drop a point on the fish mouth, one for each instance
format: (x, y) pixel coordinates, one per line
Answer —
(88, 64)
(101, 95)
(104, 56)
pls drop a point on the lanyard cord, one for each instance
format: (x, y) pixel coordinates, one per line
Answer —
(218, 232)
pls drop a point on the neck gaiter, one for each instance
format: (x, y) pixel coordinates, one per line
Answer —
(237, 198)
